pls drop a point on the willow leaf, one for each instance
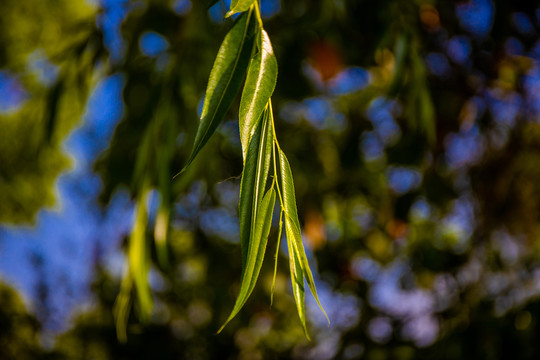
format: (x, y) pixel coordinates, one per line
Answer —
(261, 230)
(297, 280)
(239, 6)
(138, 255)
(260, 83)
(400, 53)
(160, 235)
(255, 210)
(292, 225)
(226, 78)
(276, 257)
(121, 308)
(256, 168)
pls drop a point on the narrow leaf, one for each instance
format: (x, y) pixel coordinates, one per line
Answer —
(255, 210)
(400, 54)
(260, 83)
(262, 230)
(160, 236)
(121, 308)
(138, 255)
(297, 280)
(226, 77)
(239, 6)
(256, 168)
(257, 249)
(276, 257)
(292, 225)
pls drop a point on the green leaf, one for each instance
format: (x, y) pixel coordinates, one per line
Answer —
(260, 83)
(226, 78)
(121, 308)
(400, 53)
(292, 226)
(160, 235)
(276, 257)
(239, 6)
(256, 168)
(255, 210)
(138, 256)
(297, 280)
(259, 239)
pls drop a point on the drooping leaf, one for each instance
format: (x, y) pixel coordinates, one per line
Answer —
(163, 161)
(225, 79)
(139, 256)
(160, 235)
(292, 224)
(276, 257)
(261, 231)
(400, 52)
(255, 210)
(254, 176)
(297, 280)
(260, 83)
(121, 308)
(239, 6)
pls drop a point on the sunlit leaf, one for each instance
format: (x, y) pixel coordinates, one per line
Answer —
(297, 281)
(259, 239)
(240, 6)
(121, 308)
(226, 77)
(292, 226)
(160, 236)
(255, 210)
(139, 257)
(260, 83)
(254, 177)
(276, 257)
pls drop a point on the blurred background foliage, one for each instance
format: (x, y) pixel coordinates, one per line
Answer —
(413, 132)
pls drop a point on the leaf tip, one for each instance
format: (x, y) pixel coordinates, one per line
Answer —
(231, 316)
(221, 328)
(306, 333)
(180, 172)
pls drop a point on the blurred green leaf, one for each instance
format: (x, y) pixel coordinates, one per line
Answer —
(400, 53)
(139, 256)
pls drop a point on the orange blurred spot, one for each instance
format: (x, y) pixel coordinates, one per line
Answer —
(314, 229)
(326, 59)
(429, 17)
(396, 228)
(467, 115)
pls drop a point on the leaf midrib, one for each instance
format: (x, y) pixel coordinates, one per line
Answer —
(248, 20)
